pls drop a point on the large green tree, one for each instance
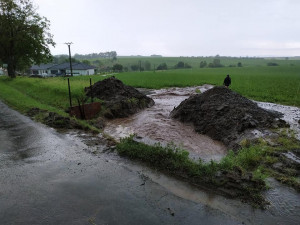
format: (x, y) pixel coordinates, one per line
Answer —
(24, 35)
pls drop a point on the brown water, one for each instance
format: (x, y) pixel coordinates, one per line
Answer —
(155, 124)
(291, 115)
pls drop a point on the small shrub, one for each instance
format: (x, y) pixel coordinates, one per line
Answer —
(272, 64)
(198, 91)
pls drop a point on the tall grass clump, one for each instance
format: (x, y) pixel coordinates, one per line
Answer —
(170, 158)
(246, 158)
(175, 160)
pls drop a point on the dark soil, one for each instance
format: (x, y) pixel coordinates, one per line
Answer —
(119, 99)
(53, 119)
(224, 115)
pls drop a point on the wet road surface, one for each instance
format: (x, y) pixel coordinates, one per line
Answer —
(51, 178)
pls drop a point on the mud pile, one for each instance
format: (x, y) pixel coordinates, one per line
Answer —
(224, 115)
(119, 99)
(53, 119)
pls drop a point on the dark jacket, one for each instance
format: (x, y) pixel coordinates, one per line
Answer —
(227, 81)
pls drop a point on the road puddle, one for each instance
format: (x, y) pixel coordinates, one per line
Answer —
(154, 124)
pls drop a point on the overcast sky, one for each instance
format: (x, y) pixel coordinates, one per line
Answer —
(175, 27)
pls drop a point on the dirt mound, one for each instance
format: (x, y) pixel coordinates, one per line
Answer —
(224, 115)
(53, 119)
(119, 99)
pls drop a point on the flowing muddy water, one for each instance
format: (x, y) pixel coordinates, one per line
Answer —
(154, 124)
(291, 115)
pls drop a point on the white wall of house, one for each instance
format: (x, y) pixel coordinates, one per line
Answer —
(44, 73)
(81, 72)
(91, 71)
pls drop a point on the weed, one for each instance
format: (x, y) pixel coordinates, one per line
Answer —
(198, 91)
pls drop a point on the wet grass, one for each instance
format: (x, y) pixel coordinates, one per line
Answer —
(270, 84)
(195, 61)
(51, 95)
(257, 158)
(279, 84)
(175, 161)
(48, 92)
(171, 158)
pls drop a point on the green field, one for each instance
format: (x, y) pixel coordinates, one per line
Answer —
(277, 84)
(127, 61)
(271, 84)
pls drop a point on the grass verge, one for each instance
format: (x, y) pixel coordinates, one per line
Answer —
(240, 175)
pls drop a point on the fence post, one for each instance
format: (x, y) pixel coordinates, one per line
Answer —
(91, 88)
(69, 93)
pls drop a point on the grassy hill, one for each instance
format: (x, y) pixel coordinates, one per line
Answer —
(128, 61)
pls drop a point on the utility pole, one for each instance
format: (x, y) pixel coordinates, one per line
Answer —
(69, 46)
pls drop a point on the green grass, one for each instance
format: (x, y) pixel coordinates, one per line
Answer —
(279, 84)
(195, 61)
(24, 93)
(270, 84)
(172, 158)
(176, 162)
(256, 159)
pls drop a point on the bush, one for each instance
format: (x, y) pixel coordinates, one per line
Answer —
(134, 67)
(179, 65)
(187, 66)
(215, 64)
(272, 64)
(203, 64)
(117, 67)
(162, 66)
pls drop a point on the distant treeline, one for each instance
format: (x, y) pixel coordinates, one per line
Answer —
(110, 55)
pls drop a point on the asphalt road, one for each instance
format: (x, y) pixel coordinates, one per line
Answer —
(51, 178)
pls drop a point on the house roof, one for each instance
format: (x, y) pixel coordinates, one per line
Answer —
(62, 66)
(42, 66)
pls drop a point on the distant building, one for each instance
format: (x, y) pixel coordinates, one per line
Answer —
(49, 70)
(2, 72)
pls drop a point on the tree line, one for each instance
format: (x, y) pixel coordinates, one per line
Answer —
(110, 55)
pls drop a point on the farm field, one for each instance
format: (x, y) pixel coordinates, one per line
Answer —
(127, 61)
(278, 84)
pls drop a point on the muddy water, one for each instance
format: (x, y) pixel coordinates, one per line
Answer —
(290, 114)
(155, 124)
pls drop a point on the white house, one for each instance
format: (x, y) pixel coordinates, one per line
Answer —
(62, 69)
(1, 71)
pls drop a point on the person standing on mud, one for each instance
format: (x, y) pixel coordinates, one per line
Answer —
(227, 81)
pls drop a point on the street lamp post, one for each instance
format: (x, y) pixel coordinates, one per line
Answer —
(69, 46)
